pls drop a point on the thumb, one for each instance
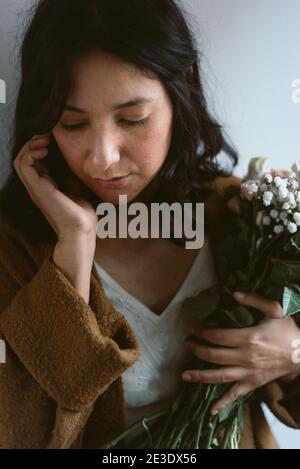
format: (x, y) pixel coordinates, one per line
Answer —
(271, 308)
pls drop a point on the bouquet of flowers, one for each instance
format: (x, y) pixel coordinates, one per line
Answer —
(261, 255)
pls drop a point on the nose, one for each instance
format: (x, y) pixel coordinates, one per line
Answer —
(103, 153)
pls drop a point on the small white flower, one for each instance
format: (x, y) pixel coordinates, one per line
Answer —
(285, 222)
(285, 182)
(269, 178)
(297, 196)
(278, 181)
(278, 229)
(253, 188)
(294, 184)
(266, 220)
(296, 217)
(285, 206)
(267, 198)
(283, 215)
(291, 199)
(249, 189)
(263, 188)
(273, 213)
(282, 192)
(292, 227)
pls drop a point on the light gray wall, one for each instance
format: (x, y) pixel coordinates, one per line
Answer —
(12, 14)
(251, 57)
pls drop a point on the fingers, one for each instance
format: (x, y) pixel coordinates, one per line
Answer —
(24, 165)
(270, 308)
(36, 143)
(225, 337)
(220, 376)
(38, 136)
(33, 149)
(237, 391)
(29, 167)
(219, 355)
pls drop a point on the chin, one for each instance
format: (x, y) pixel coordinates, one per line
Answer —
(113, 196)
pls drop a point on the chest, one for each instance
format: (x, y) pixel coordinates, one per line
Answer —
(153, 275)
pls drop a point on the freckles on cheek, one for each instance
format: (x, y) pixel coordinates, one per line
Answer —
(69, 151)
(147, 157)
(153, 148)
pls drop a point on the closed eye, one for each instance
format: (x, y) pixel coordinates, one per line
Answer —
(72, 127)
(139, 122)
(75, 127)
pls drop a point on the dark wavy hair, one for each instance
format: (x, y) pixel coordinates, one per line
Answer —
(154, 35)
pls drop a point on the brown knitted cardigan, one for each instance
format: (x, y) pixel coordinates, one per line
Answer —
(61, 385)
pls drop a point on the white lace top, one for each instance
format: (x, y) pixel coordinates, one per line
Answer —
(156, 375)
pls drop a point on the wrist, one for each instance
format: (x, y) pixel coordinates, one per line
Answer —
(80, 238)
(74, 257)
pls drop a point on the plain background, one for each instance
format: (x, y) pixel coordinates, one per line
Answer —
(250, 57)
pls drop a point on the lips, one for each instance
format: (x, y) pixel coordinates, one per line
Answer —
(113, 179)
(117, 182)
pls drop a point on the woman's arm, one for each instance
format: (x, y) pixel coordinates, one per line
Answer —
(252, 358)
(60, 351)
(74, 255)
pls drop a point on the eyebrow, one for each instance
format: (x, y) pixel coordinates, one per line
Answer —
(131, 103)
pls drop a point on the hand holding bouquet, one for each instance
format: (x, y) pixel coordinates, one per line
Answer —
(240, 342)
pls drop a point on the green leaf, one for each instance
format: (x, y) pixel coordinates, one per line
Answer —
(273, 292)
(284, 272)
(237, 317)
(296, 239)
(295, 286)
(259, 243)
(236, 280)
(295, 244)
(290, 302)
(240, 414)
(231, 254)
(224, 414)
(199, 307)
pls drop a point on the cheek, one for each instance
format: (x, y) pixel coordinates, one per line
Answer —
(152, 150)
(70, 150)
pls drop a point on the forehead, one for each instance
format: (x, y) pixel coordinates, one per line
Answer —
(101, 78)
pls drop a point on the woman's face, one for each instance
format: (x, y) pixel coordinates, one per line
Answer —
(117, 122)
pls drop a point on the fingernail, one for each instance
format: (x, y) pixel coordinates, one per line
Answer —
(214, 412)
(239, 294)
(187, 377)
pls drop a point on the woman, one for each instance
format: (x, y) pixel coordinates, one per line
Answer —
(110, 90)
